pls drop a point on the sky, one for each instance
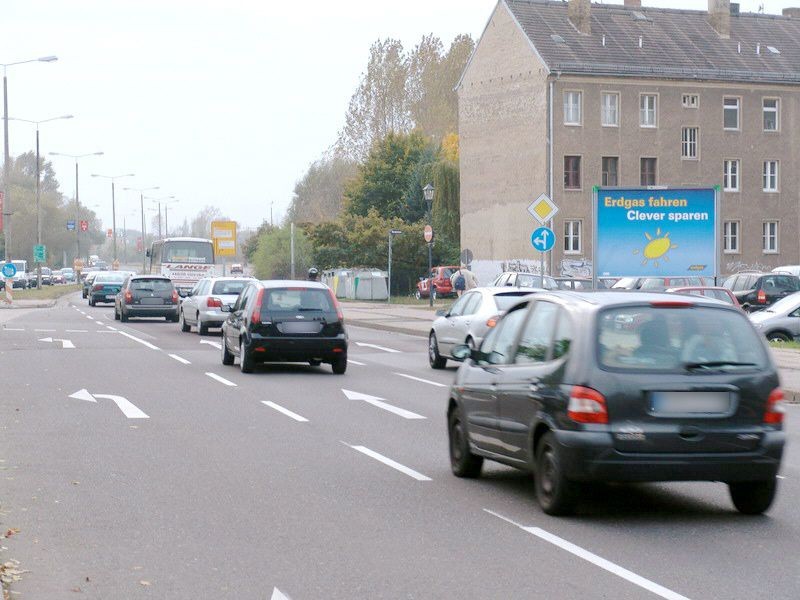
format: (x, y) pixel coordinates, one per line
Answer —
(220, 104)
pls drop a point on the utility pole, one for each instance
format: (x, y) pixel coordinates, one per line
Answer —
(291, 248)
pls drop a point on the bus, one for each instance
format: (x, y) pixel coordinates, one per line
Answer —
(185, 260)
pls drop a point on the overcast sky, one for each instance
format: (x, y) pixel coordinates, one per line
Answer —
(221, 103)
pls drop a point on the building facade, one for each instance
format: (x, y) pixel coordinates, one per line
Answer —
(561, 97)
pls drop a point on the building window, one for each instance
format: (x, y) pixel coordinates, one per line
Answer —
(731, 176)
(572, 172)
(689, 136)
(770, 237)
(730, 237)
(572, 237)
(770, 176)
(610, 176)
(647, 110)
(610, 110)
(771, 114)
(572, 108)
(647, 172)
(730, 113)
(690, 100)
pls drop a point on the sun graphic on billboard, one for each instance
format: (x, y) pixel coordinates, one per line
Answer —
(656, 248)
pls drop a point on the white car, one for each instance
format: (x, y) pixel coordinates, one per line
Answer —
(202, 307)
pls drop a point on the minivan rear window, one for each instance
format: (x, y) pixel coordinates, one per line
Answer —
(151, 285)
(648, 338)
(279, 300)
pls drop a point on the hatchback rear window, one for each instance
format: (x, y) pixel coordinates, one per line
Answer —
(647, 338)
(151, 285)
(297, 300)
(233, 288)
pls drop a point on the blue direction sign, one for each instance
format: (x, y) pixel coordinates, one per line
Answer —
(543, 239)
(9, 270)
(70, 225)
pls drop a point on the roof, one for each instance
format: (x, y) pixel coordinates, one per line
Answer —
(292, 283)
(676, 44)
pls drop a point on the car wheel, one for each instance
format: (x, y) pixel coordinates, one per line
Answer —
(245, 360)
(123, 317)
(91, 302)
(777, 336)
(227, 357)
(116, 314)
(174, 318)
(555, 493)
(418, 295)
(202, 329)
(434, 358)
(753, 497)
(315, 362)
(184, 325)
(463, 463)
(339, 365)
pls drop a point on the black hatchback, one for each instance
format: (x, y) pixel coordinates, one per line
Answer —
(755, 291)
(285, 321)
(607, 387)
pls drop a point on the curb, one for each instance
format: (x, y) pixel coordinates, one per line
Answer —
(36, 304)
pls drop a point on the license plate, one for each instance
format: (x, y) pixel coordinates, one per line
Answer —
(152, 301)
(683, 403)
(300, 328)
(110, 297)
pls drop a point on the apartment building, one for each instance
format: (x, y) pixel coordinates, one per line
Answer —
(560, 97)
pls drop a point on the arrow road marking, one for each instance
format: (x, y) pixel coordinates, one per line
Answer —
(278, 595)
(216, 345)
(364, 345)
(128, 408)
(66, 344)
(380, 403)
(428, 381)
(389, 462)
(285, 411)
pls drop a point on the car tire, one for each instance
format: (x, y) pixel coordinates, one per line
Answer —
(463, 462)
(202, 329)
(778, 336)
(227, 357)
(123, 317)
(434, 358)
(185, 327)
(753, 497)
(339, 365)
(174, 318)
(555, 493)
(245, 360)
(116, 314)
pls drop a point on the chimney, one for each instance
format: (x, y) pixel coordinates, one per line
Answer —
(580, 15)
(792, 13)
(633, 3)
(719, 16)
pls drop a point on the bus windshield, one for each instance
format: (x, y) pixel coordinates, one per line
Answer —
(188, 252)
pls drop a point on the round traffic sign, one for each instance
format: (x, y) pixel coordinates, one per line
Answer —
(543, 239)
(9, 270)
(428, 233)
(466, 256)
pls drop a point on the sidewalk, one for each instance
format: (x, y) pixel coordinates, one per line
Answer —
(417, 320)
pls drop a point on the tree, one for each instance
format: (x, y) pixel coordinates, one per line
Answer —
(250, 245)
(272, 259)
(318, 196)
(201, 224)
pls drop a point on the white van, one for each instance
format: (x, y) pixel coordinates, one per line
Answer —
(791, 269)
(21, 279)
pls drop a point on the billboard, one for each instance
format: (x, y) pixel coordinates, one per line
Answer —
(655, 232)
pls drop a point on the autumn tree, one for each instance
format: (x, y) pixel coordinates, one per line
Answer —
(318, 196)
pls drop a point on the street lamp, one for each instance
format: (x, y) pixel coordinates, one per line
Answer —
(38, 177)
(76, 158)
(144, 229)
(160, 201)
(428, 192)
(125, 236)
(113, 178)
(6, 157)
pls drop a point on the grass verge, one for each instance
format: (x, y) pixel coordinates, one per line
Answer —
(785, 345)
(48, 292)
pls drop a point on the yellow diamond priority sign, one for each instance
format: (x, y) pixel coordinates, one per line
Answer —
(543, 209)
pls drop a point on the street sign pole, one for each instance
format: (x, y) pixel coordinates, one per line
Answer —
(392, 233)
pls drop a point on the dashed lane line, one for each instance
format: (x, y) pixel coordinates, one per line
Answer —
(376, 347)
(222, 380)
(13, 328)
(390, 463)
(355, 362)
(136, 339)
(180, 359)
(77, 331)
(45, 330)
(285, 411)
(428, 381)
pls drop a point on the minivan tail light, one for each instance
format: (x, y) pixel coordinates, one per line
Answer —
(762, 297)
(128, 297)
(773, 415)
(587, 406)
(213, 302)
(256, 320)
(174, 296)
(336, 305)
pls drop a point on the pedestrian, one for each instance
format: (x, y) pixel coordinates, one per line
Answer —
(470, 278)
(313, 273)
(458, 282)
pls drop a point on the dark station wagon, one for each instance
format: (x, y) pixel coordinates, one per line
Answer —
(147, 296)
(686, 391)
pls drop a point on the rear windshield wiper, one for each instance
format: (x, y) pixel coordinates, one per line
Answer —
(715, 364)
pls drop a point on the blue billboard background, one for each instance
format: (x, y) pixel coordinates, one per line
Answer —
(643, 232)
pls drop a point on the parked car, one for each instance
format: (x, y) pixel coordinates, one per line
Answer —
(437, 283)
(790, 269)
(468, 320)
(202, 307)
(691, 393)
(88, 281)
(660, 283)
(578, 283)
(105, 287)
(781, 321)
(285, 321)
(759, 290)
(146, 296)
(718, 293)
(47, 276)
(525, 280)
(69, 274)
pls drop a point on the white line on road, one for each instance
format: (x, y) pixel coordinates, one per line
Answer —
(45, 330)
(65, 344)
(91, 318)
(136, 339)
(596, 560)
(278, 595)
(128, 408)
(384, 348)
(112, 328)
(355, 362)
(104, 331)
(285, 411)
(780, 476)
(428, 381)
(379, 402)
(216, 345)
(14, 328)
(389, 462)
(77, 331)
(221, 379)
(180, 359)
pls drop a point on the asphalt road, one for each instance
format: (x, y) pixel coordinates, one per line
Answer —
(296, 483)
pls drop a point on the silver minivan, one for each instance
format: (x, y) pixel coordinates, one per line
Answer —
(781, 321)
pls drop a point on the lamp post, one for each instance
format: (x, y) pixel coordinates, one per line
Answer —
(6, 157)
(125, 236)
(144, 229)
(160, 201)
(392, 233)
(76, 158)
(428, 192)
(113, 178)
(38, 186)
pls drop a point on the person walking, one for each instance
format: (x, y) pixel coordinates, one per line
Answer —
(471, 280)
(458, 282)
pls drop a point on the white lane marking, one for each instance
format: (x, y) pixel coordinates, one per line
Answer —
(65, 344)
(14, 328)
(216, 345)
(780, 476)
(428, 381)
(45, 330)
(136, 339)
(355, 362)
(77, 331)
(91, 318)
(385, 349)
(596, 560)
(278, 595)
(379, 402)
(285, 411)
(180, 359)
(104, 331)
(391, 463)
(221, 379)
(128, 408)
(112, 328)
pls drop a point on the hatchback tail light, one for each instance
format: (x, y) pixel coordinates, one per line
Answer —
(174, 296)
(97, 287)
(128, 297)
(773, 415)
(256, 319)
(336, 305)
(587, 406)
(213, 303)
(762, 297)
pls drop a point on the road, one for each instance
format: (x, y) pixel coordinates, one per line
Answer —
(135, 465)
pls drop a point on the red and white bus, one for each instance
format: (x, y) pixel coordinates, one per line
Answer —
(185, 260)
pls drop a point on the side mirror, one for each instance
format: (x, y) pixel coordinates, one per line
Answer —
(462, 352)
(441, 313)
(226, 308)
